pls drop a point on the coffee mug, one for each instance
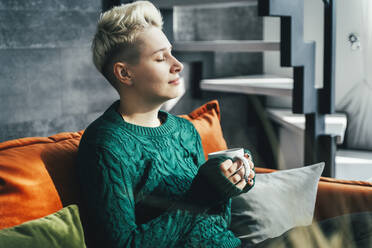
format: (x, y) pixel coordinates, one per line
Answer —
(234, 154)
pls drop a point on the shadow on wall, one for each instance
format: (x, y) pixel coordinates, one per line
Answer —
(353, 71)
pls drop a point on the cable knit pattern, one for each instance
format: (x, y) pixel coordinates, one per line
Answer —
(131, 176)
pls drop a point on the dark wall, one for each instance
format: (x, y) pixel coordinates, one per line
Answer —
(48, 83)
(238, 22)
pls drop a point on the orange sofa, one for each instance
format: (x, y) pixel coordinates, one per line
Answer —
(37, 174)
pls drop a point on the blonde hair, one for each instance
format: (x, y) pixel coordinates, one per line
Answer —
(117, 31)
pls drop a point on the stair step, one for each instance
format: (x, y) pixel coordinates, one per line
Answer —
(167, 4)
(335, 123)
(254, 84)
(350, 164)
(354, 165)
(226, 46)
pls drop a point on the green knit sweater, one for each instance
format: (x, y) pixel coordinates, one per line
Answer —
(151, 187)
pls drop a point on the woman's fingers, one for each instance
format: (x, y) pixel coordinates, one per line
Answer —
(251, 164)
(234, 171)
(241, 169)
(252, 174)
(246, 155)
(228, 168)
(241, 184)
(235, 178)
(250, 181)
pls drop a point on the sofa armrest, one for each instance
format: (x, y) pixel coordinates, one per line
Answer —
(338, 197)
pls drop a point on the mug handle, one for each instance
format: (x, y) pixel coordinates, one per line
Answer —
(246, 167)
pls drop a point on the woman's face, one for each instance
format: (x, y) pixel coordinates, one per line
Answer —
(155, 77)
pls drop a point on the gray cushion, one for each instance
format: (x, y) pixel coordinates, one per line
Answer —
(278, 202)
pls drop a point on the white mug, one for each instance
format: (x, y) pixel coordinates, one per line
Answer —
(234, 153)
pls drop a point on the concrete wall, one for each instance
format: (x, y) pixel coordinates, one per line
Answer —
(48, 83)
(220, 22)
(350, 68)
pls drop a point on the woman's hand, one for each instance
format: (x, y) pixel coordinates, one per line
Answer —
(234, 171)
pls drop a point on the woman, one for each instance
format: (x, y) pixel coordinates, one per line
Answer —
(144, 180)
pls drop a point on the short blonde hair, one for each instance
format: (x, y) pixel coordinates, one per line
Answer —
(117, 31)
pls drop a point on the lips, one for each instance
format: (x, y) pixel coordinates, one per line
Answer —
(176, 81)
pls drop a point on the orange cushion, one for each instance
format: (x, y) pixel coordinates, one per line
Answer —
(28, 167)
(37, 175)
(206, 119)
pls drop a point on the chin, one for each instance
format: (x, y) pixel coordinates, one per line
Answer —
(171, 97)
(171, 102)
(178, 94)
(173, 93)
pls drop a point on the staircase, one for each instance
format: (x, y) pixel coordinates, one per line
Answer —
(311, 103)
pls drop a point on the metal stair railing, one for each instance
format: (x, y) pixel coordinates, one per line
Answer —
(308, 100)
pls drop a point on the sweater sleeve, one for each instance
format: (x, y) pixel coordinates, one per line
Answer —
(110, 218)
(210, 189)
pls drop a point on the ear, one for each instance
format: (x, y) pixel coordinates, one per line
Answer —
(122, 73)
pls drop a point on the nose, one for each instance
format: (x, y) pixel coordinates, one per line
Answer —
(177, 66)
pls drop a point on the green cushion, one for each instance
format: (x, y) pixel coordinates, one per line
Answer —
(61, 229)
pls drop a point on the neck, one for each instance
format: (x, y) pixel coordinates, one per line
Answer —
(140, 114)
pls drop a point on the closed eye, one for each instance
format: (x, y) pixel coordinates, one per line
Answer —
(165, 54)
